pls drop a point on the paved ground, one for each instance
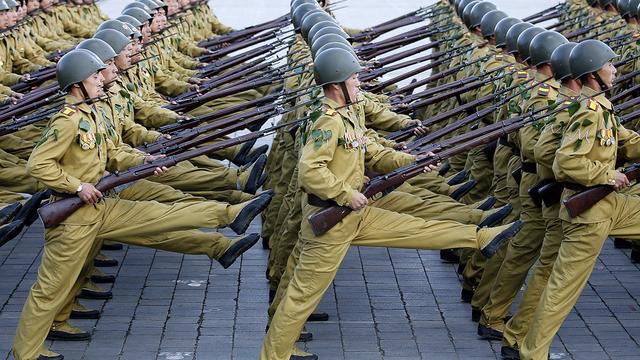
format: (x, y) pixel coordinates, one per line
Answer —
(384, 304)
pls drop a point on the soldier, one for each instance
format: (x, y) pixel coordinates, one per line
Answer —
(330, 172)
(524, 249)
(593, 141)
(74, 154)
(516, 328)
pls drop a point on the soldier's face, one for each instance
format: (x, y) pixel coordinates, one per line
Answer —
(94, 85)
(110, 74)
(156, 24)
(4, 17)
(353, 86)
(33, 5)
(146, 32)
(123, 60)
(137, 49)
(608, 74)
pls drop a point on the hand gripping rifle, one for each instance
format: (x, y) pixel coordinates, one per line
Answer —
(325, 219)
(56, 212)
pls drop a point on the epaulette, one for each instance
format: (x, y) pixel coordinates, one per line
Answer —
(522, 75)
(592, 104)
(543, 90)
(69, 110)
(330, 112)
(636, 35)
(567, 102)
(500, 57)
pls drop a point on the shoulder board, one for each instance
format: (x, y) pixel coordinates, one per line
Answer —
(69, 110)
(499, 57)
(636, 35)
(592, 105)
(567, 102)
(543, 90)
(522, 74)
(330, 112)
(511, 68)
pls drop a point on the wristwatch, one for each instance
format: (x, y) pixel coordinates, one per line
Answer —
(79, 189)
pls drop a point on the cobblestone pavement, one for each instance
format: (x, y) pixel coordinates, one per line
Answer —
(384, 304)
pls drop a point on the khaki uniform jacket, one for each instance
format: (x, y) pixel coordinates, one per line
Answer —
(590, 146)
(336, 151)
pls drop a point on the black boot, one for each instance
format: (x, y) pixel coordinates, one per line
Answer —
(487, 333)
(463, 189)
(509, 353)
(237, 249)
(242, 221)
(449, 256)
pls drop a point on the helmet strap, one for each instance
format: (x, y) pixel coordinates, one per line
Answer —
(603, 86)
(345, 92)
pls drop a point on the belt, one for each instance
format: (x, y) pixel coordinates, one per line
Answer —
(316, 201)
(574, 186)
(529, 167)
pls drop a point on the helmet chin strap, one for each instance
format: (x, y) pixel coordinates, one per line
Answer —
(603, 86)
(345, 92)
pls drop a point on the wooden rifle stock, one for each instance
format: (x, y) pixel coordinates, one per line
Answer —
(56, 212)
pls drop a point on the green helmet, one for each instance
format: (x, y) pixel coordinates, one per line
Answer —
(478, 12)
(339, 45)
(329, 30)
(543, 45)
(325, 39)
(461, 5)
(624, 7)
(137, 5)
(560, 60)
(114, 38)
(489, 22)
(296, 3)
(589, 56)
(335, 66)
(524, 41)
(99, 47)
(466, 12)
(299, 12)
(3, 6)
(136, 33)
(76, 66)
(312, 19)
(321, 25)
(512, 36)
(502, 27)
(116, 25)
(138, 14)
(633, 7)
(128, 19)
(150, 4)
(12, 4)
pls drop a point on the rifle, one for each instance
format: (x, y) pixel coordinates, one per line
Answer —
(584, 200)
(187, 138)
(546, 17)
(381, 48)
(325, 219)
(56, 212)
(248, 31)
(235, 47)
(408, 21)
(404, 54)
(587, 29)
(410, 87)
(384, 84)
(37, 77)
(31, 106)
(271, 98)
(558, 7)
(475, 116)
(221, 65)
(399, 18)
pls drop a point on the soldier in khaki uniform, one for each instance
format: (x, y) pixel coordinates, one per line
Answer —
(524, 249)
(593, 141)
(73, 155)
(548, 142)
(331, 169)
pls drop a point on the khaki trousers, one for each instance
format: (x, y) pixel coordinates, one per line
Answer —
(578, 253)
(320, 258)
(68, 245)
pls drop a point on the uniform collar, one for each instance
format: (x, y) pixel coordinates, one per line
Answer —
(601, 98)
(77, 103)
(567, 92)
(331, 104)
